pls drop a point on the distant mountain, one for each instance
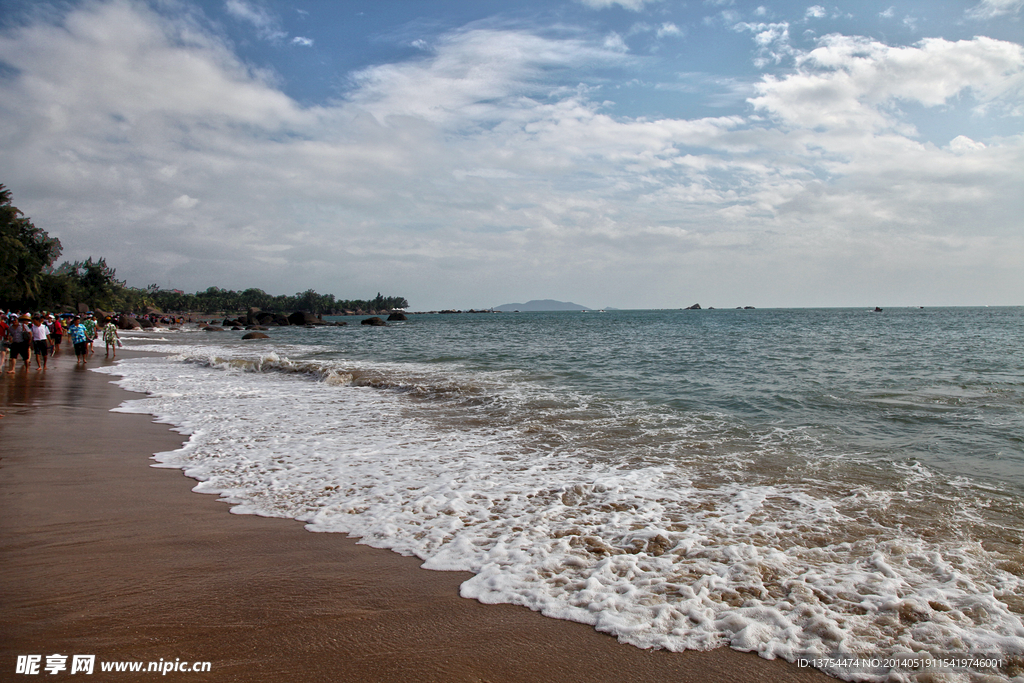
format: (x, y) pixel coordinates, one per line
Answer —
(543, 305)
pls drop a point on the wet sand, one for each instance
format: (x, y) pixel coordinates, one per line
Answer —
(102, 554)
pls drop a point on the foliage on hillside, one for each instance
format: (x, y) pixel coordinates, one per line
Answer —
(217, 299)
(28, 281)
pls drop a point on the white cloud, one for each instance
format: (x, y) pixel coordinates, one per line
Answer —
(613, 41)
(847, 82)
(815, 12)
(304, 42)
(772, 41)
(266, 24)
(185, 202)
(668, 29)
(634, 5)
(990, 9)
(962, 143)
(474, 165)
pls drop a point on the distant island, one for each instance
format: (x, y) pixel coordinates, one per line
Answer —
(543, 305)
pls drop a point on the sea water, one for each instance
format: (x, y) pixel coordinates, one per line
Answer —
(826, 485)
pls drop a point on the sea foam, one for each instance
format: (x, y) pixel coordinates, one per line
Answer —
(664, 531)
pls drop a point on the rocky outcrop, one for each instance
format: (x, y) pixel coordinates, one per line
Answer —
(255, 335)
(397, 316)
(127, 323)
(374, 321)
(695, 307)
(302, 318)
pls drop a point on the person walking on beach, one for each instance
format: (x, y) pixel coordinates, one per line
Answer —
(90, 330)
(21, 338)
(40, 341)
(79, 340)
(111, 338)
(5, 338)
(56, 333)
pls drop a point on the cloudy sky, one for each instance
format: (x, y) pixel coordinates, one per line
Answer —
(469, 153)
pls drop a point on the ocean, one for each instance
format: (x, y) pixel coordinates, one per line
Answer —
(833, 486)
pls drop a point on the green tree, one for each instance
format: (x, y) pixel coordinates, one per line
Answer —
(25, 253)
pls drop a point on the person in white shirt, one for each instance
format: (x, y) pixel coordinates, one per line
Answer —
(40, 341)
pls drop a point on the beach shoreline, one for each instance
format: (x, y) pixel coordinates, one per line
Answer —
(102, 554)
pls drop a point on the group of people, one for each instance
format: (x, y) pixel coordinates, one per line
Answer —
(39, 336)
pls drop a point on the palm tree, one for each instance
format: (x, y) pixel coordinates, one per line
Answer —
(25, 252)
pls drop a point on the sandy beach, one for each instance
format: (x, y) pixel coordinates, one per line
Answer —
(102, 554)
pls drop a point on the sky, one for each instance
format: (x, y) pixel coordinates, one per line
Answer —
(470, 153)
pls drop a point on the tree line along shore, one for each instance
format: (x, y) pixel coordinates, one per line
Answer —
(29, 281)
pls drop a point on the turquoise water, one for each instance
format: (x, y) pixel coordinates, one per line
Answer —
(799, 483)
(942, 386)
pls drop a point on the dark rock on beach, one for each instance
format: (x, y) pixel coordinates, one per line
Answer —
(255, 335)
(302, 318)
(126, 323)
(374, 321)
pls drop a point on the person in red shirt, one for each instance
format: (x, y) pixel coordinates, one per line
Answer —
(56, 333)
(5, 334)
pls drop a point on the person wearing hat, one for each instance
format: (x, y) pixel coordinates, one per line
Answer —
(21, 338)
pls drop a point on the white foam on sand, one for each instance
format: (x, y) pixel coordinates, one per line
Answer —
(660, 547)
